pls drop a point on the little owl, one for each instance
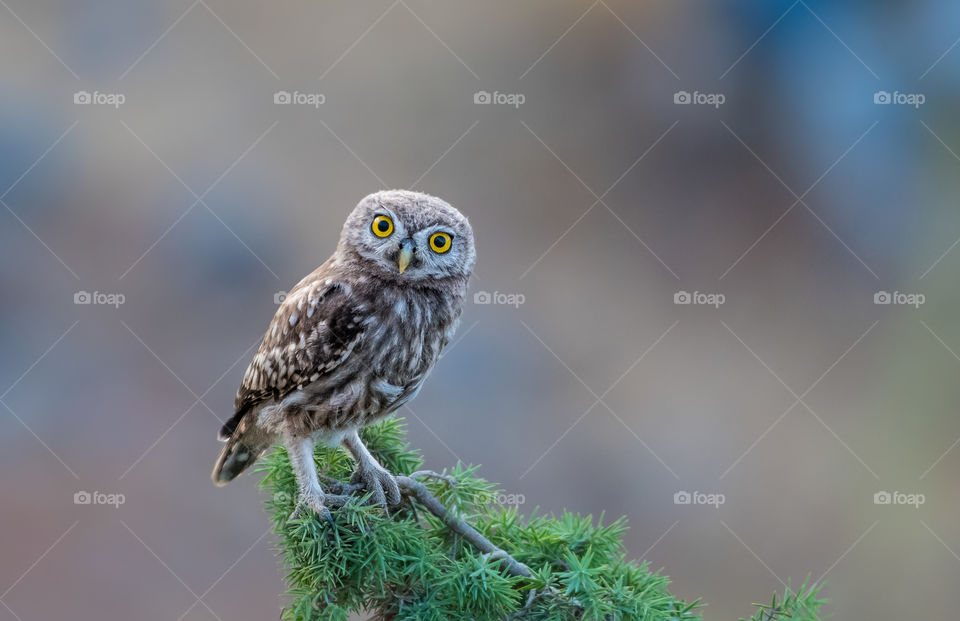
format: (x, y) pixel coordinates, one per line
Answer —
(354, 341)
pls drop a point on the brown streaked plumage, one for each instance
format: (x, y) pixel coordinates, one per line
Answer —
(354, 340)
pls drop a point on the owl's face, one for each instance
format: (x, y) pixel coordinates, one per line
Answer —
(409, 236)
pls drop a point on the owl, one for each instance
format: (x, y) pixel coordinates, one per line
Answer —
(354, 341)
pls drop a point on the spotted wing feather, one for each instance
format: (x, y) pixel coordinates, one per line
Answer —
(312, 332)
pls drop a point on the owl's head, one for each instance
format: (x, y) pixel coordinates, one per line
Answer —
(408, 236)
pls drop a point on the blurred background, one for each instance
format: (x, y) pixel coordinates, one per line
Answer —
(168, 169)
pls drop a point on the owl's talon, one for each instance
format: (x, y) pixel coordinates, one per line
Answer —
(380, 483)
(313, 501)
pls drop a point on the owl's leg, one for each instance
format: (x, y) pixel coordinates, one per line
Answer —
(375, 478)
(300, 450)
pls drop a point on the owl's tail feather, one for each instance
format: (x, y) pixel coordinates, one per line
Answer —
(240, 452)
(230, 426)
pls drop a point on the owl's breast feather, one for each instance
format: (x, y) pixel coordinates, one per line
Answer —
(404, 341)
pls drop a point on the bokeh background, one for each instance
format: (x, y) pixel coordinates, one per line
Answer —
(594, 202)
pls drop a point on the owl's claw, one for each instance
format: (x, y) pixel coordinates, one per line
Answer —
(313, 501)
(378, 480)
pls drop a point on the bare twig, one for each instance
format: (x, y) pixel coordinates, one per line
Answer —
(430, 474)
(417, 490)
(519, 614)
(342, 493)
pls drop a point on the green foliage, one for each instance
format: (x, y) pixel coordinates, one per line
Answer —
(800, 606)
(408, 565)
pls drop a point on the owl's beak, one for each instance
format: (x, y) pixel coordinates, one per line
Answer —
(406, 254)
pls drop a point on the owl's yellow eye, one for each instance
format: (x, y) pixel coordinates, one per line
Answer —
(382, 226)
(440, 242)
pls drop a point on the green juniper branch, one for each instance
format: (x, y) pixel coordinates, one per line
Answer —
(803, 605)
(449, 551)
